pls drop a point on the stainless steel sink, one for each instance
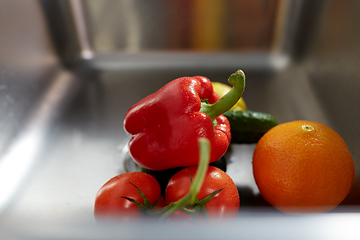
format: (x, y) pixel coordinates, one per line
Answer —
(64, 96)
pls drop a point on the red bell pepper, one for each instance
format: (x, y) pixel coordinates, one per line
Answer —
(165, 126)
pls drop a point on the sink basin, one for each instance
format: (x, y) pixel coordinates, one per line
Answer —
(84, 147)
(66, 136)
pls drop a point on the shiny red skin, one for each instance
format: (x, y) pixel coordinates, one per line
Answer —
(225, 204)
(165, 126)
(108, 203)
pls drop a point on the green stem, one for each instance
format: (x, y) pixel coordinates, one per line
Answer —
(190, 198)
(214, 110)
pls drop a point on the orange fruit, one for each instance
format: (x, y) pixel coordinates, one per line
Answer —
(303, 167)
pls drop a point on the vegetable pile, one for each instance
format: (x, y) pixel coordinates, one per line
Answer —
(179, 134)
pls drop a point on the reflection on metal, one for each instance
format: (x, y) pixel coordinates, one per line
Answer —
(133, 33)
(16, 163)
(255, 226)
(21, 156)
(126, 159)
(86, 51)
(137, 27)
(174, 60)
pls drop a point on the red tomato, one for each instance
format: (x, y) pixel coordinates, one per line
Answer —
(108, 201)
(224, 204)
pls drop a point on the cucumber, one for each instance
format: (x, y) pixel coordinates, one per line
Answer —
(248, 126)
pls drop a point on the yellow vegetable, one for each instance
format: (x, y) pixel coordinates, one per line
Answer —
(221, 89)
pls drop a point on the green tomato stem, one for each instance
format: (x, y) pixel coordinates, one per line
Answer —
(214, 110)
(204, 148)
(190, 198)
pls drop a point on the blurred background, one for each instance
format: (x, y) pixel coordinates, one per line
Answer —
(70, 69)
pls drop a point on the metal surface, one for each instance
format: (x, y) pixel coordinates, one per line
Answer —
(63, 98)
(254, 226)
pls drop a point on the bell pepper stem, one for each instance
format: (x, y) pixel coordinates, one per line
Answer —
(190, 198)
(214, 110)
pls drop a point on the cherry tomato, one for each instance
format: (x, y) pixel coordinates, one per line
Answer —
(224, 204)
(110, 204)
